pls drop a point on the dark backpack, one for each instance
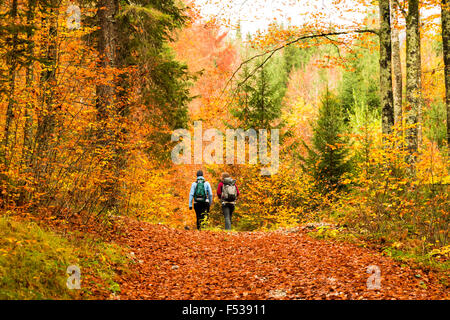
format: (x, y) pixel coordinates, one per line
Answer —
(229, 190)
(200, 193)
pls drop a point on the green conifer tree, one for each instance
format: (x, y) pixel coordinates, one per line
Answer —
(259, 99)
(327, 158)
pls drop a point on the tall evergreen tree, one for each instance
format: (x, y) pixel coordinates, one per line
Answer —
(145, 28)
(327, 157)
(260, 97)
(136, 35)
(361, 82)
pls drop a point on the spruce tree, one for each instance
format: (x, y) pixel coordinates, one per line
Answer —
(259, 99)
(361, 81)
(327, 157)
(165, 82)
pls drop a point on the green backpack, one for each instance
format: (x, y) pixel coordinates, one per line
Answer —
(200, 193)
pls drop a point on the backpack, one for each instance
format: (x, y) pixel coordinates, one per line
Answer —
(229, 190)
(200, 193)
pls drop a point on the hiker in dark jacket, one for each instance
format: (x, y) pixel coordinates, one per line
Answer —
(228, 192)
(201, 198)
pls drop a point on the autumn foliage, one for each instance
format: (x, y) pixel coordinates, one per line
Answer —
(87, 113)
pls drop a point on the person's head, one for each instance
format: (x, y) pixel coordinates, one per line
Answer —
(225, 175)
(199, 173)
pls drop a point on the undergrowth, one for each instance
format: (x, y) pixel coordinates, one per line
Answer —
(34, 262)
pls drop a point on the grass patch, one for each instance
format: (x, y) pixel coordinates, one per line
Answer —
(34, 261)
(423, 260)
(326, 232)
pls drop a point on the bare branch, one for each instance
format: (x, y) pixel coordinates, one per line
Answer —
(273, 51)
(398, 6)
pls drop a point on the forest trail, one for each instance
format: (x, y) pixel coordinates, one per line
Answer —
(188, 264)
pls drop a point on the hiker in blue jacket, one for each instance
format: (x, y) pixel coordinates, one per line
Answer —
(201, 197)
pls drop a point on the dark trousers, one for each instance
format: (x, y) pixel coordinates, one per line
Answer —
(228, 209)
(201, 211)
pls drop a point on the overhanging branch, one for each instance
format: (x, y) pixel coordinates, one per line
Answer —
(270, 53)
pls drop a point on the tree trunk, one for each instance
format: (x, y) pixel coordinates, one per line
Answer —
(386, 94)
(25, 161)
(107, 138)
(107, 49)
(12, 62)
(27, 130)
(46, 119)
(413, 78)
(396, 69)
(445, 16)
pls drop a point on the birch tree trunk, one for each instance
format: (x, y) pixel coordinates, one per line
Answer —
(396, 68)
(413, 78)
(386, 94)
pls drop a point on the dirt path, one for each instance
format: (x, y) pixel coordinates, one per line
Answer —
(187, 264)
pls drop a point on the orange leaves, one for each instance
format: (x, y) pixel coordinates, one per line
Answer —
(206, 50)
(272, 202)
(258, 265)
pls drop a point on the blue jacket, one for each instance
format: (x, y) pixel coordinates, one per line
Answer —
(208, 191)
